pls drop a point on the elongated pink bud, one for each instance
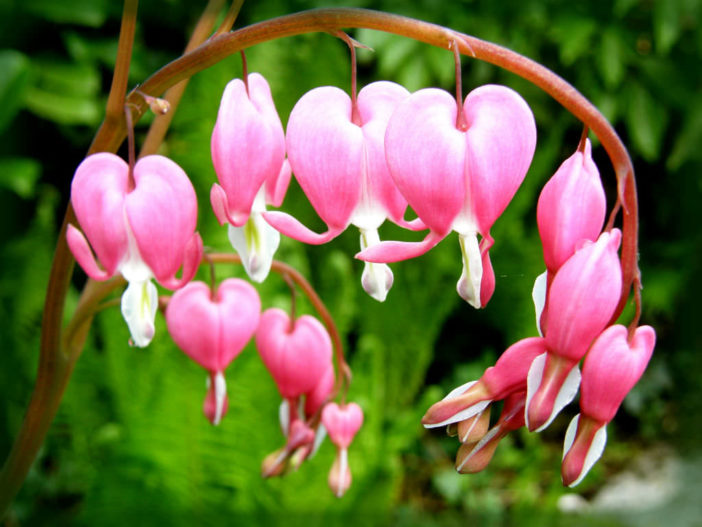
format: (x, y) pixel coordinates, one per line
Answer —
(297, 354)
(581, 301)
(571, 208)
(248, 147)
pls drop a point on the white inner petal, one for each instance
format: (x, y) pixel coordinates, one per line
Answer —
(538, 295)
(139, 305)
(377, 278)
(256, 241)
(468, 285)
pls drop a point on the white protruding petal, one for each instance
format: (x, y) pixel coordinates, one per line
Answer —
(220, 395)
(479, 445)
(377, 278)
(256, 241)
(284, 416)
(566, 394)
(343, 467)
(536, 372)
(139, 305)
(468, 285)
(538, 295)
(469, 412)
(594, 452)
(318, 438)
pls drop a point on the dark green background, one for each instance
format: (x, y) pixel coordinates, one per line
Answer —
(130, 444)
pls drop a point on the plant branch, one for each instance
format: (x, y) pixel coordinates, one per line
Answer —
(159, 127)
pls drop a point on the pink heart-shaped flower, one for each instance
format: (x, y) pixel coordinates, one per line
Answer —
(297, 355)
(342, 422)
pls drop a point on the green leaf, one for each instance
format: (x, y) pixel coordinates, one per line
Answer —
(646, 120)
(612, 57)
(20, 175)
(14, 74)
(92, 13)
(573, 34)
(666, 24)
(687, 142)
(65, 93)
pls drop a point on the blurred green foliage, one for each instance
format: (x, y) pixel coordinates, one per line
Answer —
(130, 444)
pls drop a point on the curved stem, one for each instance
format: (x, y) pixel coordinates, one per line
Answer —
(331, 20)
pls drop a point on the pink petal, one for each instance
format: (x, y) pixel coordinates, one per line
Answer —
(248, 143)
(325, 150)
(376, 103)
(292, 228)
(277, 186)
(426, 155)
(213, 331)
(162, 212)
(509, 374)
(84, 256)
(191, 263)
(500, 143)
(387, 252)
(612, 367)
(571, 207)
(97, 194)
(342, 422)
(297, 357)
(583, 296)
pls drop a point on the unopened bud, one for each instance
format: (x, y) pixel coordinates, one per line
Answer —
(473, 429)
(275, 463)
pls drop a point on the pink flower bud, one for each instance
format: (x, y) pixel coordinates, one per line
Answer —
(297, 354)
(581, 301)
(571, 208)
(612, 367)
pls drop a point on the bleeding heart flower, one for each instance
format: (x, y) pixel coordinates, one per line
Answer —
(248, 153)
(458, 179)
(612, 367)
(342, 424)
(142, 231)
(296, 353)
(581, 301)
(213, 330)
(340, 164)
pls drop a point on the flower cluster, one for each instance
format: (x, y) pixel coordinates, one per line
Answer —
(360, 161)
(575, 299)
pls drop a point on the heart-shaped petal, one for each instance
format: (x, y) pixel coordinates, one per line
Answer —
(342, 422)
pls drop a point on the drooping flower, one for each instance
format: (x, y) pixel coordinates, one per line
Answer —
(296, 353)
(507, 376)
(143, 229)
(340, 165)
(248, 153)
(342, 424)
(612, 367)
(581, 301)
(458, 179)
(571, 208)
(213, 330)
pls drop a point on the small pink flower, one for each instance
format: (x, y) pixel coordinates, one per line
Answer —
(143, 232)
(581, 301)
(455, 179)
(248, 153)
(297, 354)
(340, 164)
(612, 367)
(342, 424)
(214, 330)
